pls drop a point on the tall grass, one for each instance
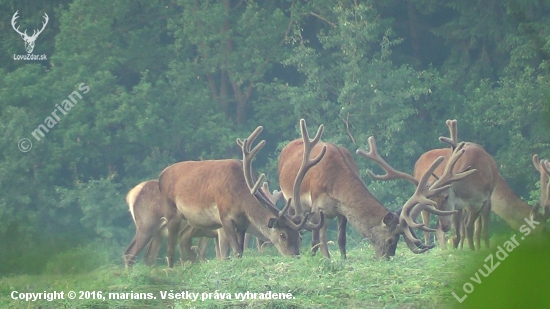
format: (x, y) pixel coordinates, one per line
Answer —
(405, 281)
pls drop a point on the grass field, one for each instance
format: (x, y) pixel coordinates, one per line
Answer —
(406, 281)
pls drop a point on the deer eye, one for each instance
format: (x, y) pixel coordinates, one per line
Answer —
(282, 235)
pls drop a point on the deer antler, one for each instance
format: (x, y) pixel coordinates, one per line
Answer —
(248, 155)
(421, 197)
(448, 176)
(250, 178)
(273, 197)
(543, 167)
(453, 141)
(265, 200)
(391, 173)
(307, 162)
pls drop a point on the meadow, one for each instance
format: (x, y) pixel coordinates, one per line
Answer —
(407, 280)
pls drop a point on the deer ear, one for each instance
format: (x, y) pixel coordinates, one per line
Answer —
(273, 222)
(390, 219)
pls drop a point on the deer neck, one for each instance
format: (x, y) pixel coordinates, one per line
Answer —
(507, 205)
(258, 227)
(258, 218)
(358, 205)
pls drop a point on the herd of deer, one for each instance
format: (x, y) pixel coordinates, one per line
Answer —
(224, 199)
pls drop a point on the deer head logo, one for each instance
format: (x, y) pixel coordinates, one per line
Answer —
(29, 40)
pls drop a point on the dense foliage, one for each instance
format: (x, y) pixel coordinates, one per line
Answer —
(175, 80)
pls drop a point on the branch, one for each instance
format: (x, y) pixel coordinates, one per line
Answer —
(323, 19)
(346, 121)
(289, 25)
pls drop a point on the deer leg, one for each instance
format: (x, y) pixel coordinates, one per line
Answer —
(223, 245)
(130, 253)
(323, 240)
(231, 236)
(247, 238)
(186, 242)
(314, 241)
(173, 227)
(457, 223)
(469, 227)
(201, 247)
(140, 240)
(477, 233)
(240, 238)
(342, 222)
(148, 236)
(426, 221)
(485, 217)
(440, 235)
(463, 228)
(171, 247)
(217, 246)
(153, 247)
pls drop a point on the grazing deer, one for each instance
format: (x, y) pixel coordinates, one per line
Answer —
(507, 205)
(217, 194)
(470, 197)
(335, 188)
(150, 218)
(475, 197)
(488, 190)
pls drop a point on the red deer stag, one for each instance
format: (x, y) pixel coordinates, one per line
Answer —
(150, 218)
(335, 187)
(470, 196)
(506, 204)
(502, 201)
(217, 194)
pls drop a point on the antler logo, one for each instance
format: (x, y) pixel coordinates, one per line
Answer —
(29, 40)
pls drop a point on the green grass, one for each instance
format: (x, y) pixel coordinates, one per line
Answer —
(406, 281)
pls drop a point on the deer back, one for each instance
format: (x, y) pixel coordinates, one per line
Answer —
(332, 182)
(144, 203)
(207, 190)
(474, 189)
